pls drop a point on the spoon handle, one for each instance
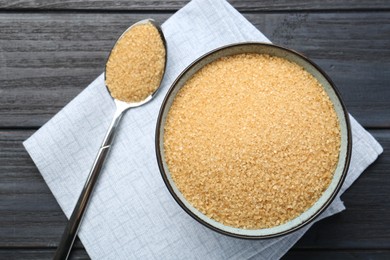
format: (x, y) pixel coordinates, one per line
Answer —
(74, 222)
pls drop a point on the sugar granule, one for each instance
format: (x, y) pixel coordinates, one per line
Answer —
(136, 64)
(252, 140)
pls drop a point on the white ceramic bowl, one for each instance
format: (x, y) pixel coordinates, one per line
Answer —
(345, 149)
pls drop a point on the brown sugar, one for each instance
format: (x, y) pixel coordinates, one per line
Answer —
(136, 64)
(252, 140)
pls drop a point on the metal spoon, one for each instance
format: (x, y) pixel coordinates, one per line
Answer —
(73, 225)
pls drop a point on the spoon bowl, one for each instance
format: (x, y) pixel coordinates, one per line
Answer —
(126, 105)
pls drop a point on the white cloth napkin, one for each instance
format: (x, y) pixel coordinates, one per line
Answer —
(131, 214)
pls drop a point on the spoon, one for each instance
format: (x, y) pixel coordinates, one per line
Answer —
(75, 220)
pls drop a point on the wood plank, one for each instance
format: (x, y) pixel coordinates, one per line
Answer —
(80, 254)
(153, 5)
(29, 214)
(46, 59)
(337, 255)
(39, 254)
(31, 218)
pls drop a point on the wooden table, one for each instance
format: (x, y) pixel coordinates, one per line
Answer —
(51, 51)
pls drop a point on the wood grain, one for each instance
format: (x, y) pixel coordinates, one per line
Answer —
(31, 218)
(337, 255)
(40, 254)
(154, 5)
(80, 254)
(47, 59)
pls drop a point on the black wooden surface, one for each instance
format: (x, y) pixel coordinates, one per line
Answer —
(50, 50)
(156, 5)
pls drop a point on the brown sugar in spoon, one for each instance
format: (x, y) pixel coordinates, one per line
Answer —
(133, 74)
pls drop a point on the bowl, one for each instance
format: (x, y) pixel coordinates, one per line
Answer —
(344, 154)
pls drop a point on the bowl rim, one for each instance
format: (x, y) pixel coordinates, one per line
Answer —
(243, 236)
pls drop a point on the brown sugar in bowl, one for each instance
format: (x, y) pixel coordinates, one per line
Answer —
(253, 140)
